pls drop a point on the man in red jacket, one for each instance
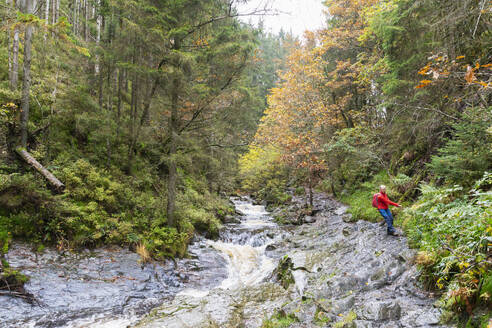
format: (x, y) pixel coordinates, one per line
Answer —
(383, 203)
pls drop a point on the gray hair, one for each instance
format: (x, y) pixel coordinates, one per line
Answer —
(382, 187)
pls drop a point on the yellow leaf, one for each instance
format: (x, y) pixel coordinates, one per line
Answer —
(460, 57)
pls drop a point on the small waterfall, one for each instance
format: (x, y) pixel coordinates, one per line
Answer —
(246, 259)
(247, 265)
(243, 247)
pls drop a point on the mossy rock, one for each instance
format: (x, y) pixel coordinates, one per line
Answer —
(283, 272)
(12, 280)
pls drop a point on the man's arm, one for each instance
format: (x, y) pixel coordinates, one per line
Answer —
(393, 203)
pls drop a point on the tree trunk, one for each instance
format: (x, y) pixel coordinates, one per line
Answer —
(98, 35)
(53, 12)
(57, 11)
(86, 23)
(9, 40)
(26, 85)
(100, 86)
(111, 81)
(145, 119)
(74, 16)
(133, 115)
(118, 106)
(14, 76)
(57, 184)
(173, 171)
(46, 14)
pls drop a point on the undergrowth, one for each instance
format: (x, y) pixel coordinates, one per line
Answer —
(99, 208)
(452, 229)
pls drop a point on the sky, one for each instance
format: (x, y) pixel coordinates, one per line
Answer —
(295, 15)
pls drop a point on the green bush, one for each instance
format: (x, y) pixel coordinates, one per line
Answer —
(98, 208)
(165, 242)
(468, 155)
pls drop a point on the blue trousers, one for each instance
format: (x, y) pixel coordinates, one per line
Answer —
(388, 217)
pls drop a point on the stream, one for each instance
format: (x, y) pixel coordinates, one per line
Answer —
(231, 282)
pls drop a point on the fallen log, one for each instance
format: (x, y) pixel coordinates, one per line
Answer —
(57, 184)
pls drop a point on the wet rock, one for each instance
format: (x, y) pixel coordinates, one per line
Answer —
(429, 318)
(309, 219)
(381, 310)
(406, 255)
(231, 219)
(306, 312)
(390, 325)
(343, 305)
(363, 324)
(341, 210)
(184, 277)
(347, 218)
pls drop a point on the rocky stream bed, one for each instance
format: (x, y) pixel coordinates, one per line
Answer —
(339, 272)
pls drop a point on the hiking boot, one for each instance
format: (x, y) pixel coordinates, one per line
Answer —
(394, 233)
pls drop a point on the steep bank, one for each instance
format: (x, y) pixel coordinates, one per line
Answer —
(351, 273)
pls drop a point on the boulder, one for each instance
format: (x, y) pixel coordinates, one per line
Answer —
(231, 219)
(381, 310)
(343, 305)
(363, 324)
(309, 219)
(429, 318)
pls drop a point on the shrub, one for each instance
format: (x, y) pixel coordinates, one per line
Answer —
(453, 230)
(468, 155)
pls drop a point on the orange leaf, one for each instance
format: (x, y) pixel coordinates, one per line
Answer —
(424, 70)
(469, 76)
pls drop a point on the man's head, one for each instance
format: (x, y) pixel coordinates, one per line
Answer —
(382, 188)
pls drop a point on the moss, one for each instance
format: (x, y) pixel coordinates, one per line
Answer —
(284, 272)
(11, 279)
(347, 321)
(280, 320)
(321, 318)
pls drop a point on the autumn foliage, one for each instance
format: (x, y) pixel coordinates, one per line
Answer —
(396, 92)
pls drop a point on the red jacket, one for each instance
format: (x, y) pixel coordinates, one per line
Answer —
(383, 202)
